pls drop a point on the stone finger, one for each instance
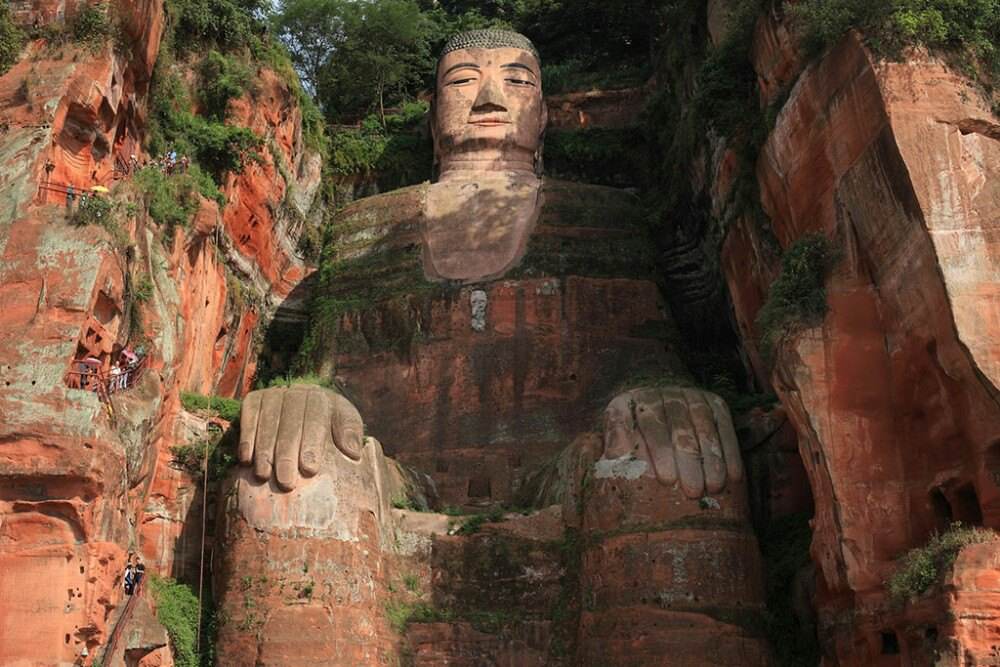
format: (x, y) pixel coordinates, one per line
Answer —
(286, 449)
(317, 431)
(267, 432)
(348, 428)
(619, 433)
(687, 453)
(249, 414)
(703, 419)
(727, 435)
(655, 432)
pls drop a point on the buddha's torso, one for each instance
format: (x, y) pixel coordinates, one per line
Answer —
(477, 382)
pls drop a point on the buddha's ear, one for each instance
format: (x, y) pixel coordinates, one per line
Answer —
(540, 151)
(432, 121)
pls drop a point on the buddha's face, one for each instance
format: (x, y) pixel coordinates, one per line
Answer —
(488, 110)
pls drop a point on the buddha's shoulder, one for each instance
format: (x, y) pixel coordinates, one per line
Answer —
(573, 204)
(564, 203)
(393, 207)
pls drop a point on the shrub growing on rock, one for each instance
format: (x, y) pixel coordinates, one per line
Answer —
(173, 199)
(177, 610)
(223, 78)
(972, 26)
(797, 298)
(11, 39)
(224, 408)
(923, 567)
(91, 26)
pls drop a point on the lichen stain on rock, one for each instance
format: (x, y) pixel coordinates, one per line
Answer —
(624, 467)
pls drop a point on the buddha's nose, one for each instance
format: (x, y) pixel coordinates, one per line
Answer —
(490, 97)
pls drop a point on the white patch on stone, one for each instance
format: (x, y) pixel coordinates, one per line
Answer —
(709, 503)
(625, 467)
(478, 300)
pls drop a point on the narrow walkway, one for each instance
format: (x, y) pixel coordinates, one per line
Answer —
(85, 374)
(123, 619)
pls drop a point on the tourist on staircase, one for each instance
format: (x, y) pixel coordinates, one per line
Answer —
(128, 580)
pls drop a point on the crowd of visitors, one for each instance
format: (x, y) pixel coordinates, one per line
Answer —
(87, 373)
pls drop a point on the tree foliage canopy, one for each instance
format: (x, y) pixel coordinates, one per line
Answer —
(360, 56)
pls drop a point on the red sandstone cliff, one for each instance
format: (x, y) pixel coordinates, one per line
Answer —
(82, 481)
(894, 396)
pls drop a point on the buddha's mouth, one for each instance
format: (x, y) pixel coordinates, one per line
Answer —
(489, 122)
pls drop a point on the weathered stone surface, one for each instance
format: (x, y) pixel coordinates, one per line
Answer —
(596, 108)
(301, 575)
(462, 645)
(268, 202)
(666, 528)
(624, 637)
(75, 484)
(894, 396)
(66, 474)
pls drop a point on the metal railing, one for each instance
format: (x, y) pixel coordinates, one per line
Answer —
(87, 375)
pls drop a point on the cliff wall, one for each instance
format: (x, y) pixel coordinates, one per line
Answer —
(894, 393)
(88, 478)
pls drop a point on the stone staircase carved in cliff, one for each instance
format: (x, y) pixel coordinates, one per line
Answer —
(114, 638)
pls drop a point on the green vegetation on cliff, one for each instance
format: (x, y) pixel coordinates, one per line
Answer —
(395, 151)
(11, 39)
(91, 26)
(797, 298)
(212, 144)
(224, 408)
(602, 155)
(177, 610)
(222, 78)
(922, 567)
(970, 27)
(215, 453)
(172, 199)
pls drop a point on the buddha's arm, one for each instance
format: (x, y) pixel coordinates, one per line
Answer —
(291, 432)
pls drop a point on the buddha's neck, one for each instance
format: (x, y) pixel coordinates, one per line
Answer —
(472, 169)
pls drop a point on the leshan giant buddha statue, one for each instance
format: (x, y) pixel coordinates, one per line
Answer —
(481, 324)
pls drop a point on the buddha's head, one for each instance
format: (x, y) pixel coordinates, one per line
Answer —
(489, 114)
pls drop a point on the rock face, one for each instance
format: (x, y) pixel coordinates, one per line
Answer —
(626, 540)
(894, 397)
(85, 482)
(66, 473)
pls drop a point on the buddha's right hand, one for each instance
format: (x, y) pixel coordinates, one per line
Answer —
(289, 432)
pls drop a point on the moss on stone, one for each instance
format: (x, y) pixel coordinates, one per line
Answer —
(605, 156)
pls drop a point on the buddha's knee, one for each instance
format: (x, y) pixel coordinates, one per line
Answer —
(669, 545)
(300, 560)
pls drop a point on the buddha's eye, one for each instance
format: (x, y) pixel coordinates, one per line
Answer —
(461, 82)
(521, 82)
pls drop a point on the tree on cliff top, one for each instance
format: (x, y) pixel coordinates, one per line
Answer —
(11, 39)
(970, 26)
(357, 56)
